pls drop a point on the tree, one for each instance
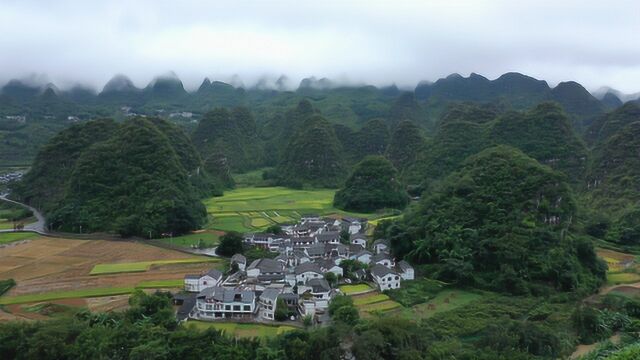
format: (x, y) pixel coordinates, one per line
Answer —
(338, 302)
(331, 278)
(274, 229)
(345, 236)
(307, 321)
(282, 311)
(347, 314)
(230, 244)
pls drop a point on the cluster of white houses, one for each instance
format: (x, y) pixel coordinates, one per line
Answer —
(306, 252)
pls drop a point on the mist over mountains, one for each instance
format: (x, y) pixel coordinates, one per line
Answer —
(511, 81)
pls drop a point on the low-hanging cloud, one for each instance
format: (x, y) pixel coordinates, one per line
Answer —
(376, 42)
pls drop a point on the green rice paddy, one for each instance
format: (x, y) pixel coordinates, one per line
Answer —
(256, 208)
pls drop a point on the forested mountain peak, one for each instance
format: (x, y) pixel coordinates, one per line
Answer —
(166, 85)
(20, 90)
(119, 83)
(499, 222)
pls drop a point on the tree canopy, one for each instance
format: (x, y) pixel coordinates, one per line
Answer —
(372, 185)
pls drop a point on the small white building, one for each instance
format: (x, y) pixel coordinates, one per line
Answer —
(359, 239)
(268, 302)
(239, 260)
(385, 277)
(307, 271)
(353, 225)
(329, 265)
(363, 256)
(197, 283)
(381, 245)
(406, 270)
(383, 259)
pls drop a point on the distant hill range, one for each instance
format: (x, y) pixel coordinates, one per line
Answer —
(31, 112)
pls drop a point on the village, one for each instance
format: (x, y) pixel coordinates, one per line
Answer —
(303, 276)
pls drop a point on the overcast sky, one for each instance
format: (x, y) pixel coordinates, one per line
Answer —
(593, 42)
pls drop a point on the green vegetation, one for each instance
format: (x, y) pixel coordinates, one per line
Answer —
(239, 209)
(354, 289)
(228, 138)
(154, 284)
(406, 143)
(373, 185)
(502, 222)
(149, 155)
(6, 285)
(239, 330)
(230, 244)
(71, 294)
(142, 266)
(416, 291)
(313, 156)
(9, 237)
(204, 239)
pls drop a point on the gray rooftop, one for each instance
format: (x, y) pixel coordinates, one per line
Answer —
(381, 256)
(216, 274)
(227, 295)
(308, 266)
(319, 285)
(239, 258)
(270, 293)
(404, 265)
(381, 241)
(266, 265)
(381, 270)
(316, 250)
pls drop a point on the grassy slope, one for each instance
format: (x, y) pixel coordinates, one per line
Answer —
(243, 330)
(6, 238)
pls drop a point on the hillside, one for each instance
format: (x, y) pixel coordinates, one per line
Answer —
(230, 134)
(499, 222)
(140, 177)
(313, 156)
(544, 133)
(372, 185)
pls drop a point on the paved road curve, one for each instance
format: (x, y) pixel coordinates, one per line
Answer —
(38, 226)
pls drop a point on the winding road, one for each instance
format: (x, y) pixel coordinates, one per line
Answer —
(38, 226)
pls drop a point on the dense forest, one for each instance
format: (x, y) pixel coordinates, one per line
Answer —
(140, 177)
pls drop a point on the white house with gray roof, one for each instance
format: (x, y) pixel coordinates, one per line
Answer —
(268, 302)
(381, 245)
(359, 239)
(406, 270)
(363, 256)
(239, 260)
(197, 283)
(307, 271)
(385, 277)
(383, 259)
(216, 303)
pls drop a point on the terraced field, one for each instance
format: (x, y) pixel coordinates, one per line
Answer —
(373, 302)
(57, 271)
(623, 268)
(255, 208)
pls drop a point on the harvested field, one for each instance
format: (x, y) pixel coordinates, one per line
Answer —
(59, 265)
